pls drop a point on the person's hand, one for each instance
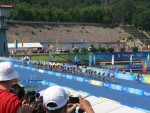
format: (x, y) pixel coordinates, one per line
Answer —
(26, 108)
(71, 107)
(85, 105)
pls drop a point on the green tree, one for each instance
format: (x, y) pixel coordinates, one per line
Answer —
(123, 11)
(122, 49)
(135, 49)
(142, 20)
(76, 50)
(93, 49)
(110, 49)
(84, 50)
(101, 49)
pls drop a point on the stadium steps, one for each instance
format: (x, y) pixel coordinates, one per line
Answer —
(137, 34)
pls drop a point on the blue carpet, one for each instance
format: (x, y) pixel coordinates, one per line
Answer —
(122, 97)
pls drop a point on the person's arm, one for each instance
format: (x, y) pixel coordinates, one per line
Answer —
(85, 105)
(26, 108)
(71, 108)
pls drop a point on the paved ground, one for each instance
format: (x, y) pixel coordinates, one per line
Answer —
(123, 97)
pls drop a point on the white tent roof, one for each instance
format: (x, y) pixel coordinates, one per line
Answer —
(25, 45)
(103, 105)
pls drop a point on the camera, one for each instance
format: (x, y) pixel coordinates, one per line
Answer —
(73, 99)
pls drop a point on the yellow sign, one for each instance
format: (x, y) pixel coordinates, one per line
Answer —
(148, 80)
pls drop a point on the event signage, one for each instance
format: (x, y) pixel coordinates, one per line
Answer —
(116, 87)
(120, 55)
(80, 79)
(145, 93)
(46, 72)
(98, 83)
(58, 74)
(69, 77)
(33, 69)
(135, 91)
(87, 80)
(63, 75)
(124, 76)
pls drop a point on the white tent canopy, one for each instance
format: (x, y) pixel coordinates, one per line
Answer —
(25, 45)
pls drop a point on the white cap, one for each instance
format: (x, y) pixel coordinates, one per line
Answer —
(56, 95)
(7, 71)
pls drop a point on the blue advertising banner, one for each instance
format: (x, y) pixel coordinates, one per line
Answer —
(80, 79)
(33, 69)
(137, 66)
(97, 83)
(58, 74)
(135, 91)
(63, 75)
(69, 77)
(121, 55)
(116, 87)
(87, 80)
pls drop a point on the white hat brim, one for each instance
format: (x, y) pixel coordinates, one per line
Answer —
(10, 76)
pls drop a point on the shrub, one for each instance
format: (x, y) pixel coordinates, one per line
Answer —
(130, 38)
(76, 50)
(93, 49)
(101, 49)
(92, 45)
(135, 49)
(122, 49)
(110, 49)
(84, 50)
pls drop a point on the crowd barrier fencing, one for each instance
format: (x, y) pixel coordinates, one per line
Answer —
(49, 84)
(90, 81)
(86, 80)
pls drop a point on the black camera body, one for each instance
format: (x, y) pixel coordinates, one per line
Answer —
(73, 99)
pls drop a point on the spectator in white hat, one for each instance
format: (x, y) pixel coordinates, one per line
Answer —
(55, 100)
(9, 102)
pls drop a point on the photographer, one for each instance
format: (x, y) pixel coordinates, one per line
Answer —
(55, 100)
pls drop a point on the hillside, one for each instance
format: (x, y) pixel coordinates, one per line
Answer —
(63, 33)
(127, 12)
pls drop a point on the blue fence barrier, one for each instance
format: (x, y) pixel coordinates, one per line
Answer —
(95, 82)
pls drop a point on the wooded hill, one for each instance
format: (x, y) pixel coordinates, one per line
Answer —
(135, 12)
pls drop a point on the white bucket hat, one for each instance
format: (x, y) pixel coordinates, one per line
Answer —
(7, 71)
(56, 95)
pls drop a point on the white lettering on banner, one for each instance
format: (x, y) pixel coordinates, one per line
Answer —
(117, 87)
(50, 72)
(126, 77)
(97, 83)
(79, 79)
(146, 93)
(63, 75)
(41, 71)
(58, 74)
(106, 85)
(69, 76)
(87, 80)
(135, 91)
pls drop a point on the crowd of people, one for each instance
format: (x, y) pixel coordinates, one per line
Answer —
(76, 71)
(106, 76)
(14, 99)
